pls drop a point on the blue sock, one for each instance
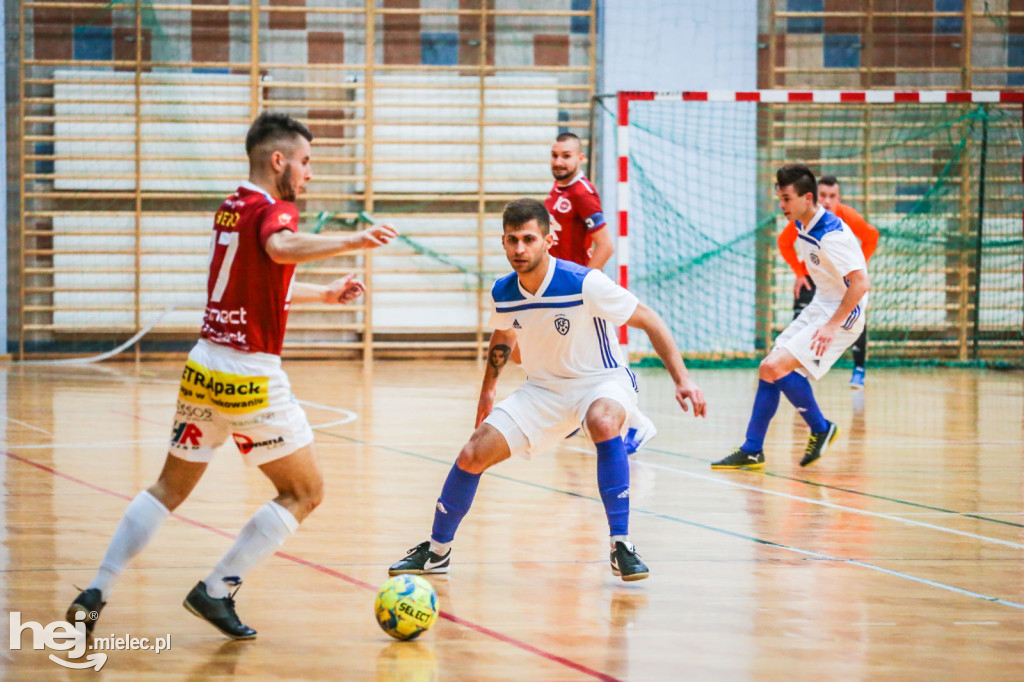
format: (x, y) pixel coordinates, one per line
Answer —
(799, 392)
(765, 403)
(455, 501)
(613, 482)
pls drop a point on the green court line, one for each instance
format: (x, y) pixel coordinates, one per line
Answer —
(695, 524)
(884, 498)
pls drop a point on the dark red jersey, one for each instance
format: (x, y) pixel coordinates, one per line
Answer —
(575, 212)
(248, 293)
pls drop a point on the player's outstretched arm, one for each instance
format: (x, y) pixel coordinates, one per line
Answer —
(858, 286)
(341, 291)
(657, 331)
(498, 352)
(288, 247)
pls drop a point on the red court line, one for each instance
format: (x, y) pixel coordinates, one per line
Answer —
(555, 658)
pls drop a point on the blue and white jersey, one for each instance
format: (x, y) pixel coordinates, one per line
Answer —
(567, 329)
(830, 250)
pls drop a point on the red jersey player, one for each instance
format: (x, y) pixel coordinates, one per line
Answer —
(575, 208)
(233, 385)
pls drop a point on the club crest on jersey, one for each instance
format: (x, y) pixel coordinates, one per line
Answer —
(563, 205)
(285, 218)
(562, 325)
(814, 258)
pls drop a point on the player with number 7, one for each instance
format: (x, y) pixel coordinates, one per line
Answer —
(233, 385)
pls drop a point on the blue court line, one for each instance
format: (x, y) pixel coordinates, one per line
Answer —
(695, 524)
(817, 484)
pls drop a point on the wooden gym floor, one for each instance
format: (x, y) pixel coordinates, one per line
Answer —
(900, 556)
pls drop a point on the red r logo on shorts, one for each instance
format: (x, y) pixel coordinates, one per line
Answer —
(187, 434)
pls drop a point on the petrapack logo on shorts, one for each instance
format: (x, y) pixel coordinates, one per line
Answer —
(246, 444)
(231, 393)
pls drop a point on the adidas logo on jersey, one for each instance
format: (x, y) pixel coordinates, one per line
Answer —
(516, 325)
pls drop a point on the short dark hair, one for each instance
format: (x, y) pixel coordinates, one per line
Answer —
(562, 137)
(521, 211)
(829, 180)
(275, 127)
(799, 176)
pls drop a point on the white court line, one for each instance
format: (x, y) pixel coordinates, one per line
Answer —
(853, 510)
(103, 356)
(350, 416)
(28, 426)
(798, 498)
(103, 444)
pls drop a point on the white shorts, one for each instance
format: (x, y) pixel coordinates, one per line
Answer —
(546, 414)
(796, 338)
(245, 395)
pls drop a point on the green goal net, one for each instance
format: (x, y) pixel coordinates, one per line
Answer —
(940, 181)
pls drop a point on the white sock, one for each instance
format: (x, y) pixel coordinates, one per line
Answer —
(624, 539)
(267, 530)
(440, 548)
(141, 520)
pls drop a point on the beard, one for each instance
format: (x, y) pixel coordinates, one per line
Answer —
(562, 175)
(284, 185)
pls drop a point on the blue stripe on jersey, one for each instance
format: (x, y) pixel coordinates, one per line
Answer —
(807, 239)
(632, 377)
(602, 339)
(507, 289)
(600, 342)
(829, 223)
(608, 344)
(540, 304)
(567, 280)
(852, 318)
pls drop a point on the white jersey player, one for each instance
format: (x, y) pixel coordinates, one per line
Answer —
(822, 332)
(563, 316)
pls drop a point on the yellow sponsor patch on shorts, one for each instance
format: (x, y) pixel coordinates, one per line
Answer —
(231, 393)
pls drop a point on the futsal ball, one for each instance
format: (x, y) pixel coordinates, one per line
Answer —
(406, 606)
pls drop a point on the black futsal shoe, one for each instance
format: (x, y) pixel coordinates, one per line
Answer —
(627, 564)
(741, 459)
(89, 603)
(220, 613)
(818, 443)
(420, 560)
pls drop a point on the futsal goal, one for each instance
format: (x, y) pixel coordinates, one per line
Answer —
(938, 173)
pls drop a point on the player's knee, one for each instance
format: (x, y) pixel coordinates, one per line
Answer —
(472, 458)
(769, 370)
(604, 425)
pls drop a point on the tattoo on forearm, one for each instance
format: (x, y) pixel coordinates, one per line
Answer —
(498, 358)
